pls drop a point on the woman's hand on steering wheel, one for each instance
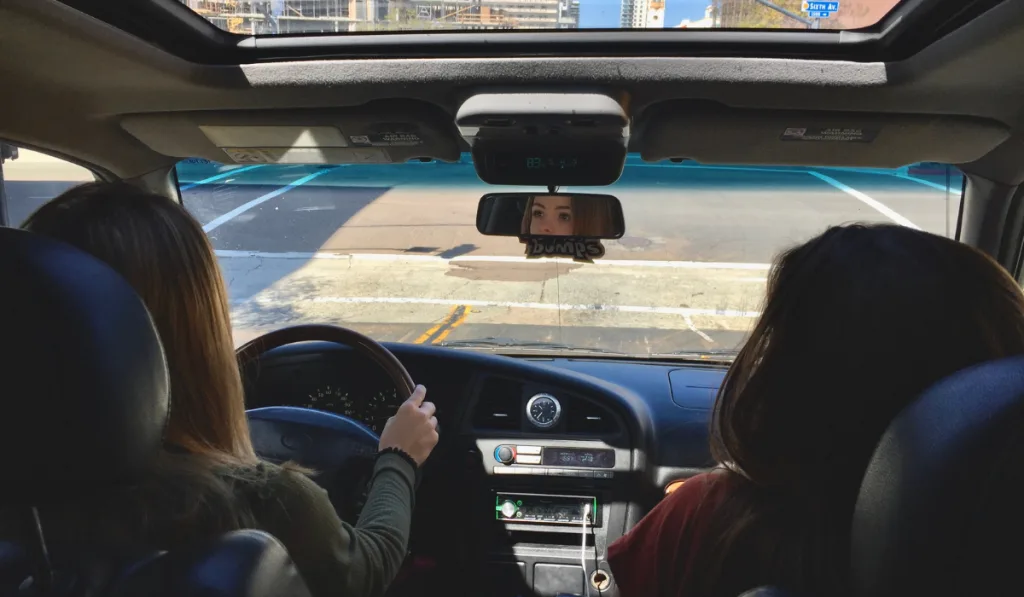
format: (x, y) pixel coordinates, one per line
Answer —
(413, 429)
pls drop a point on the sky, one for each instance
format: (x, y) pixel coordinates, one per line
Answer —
(595, 14)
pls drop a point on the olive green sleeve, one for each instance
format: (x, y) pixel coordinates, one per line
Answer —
(335, 558)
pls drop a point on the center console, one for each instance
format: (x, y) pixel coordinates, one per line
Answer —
(556, 467)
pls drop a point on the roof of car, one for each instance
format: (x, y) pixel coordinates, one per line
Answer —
(126, 100)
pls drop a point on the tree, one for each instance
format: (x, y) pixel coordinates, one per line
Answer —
(403, 19)
(749, 14)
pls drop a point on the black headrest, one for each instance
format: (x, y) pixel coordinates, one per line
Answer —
(83, 379)
(939, 511)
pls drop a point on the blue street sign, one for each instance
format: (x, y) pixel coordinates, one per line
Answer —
(821, 6)
(818, 15)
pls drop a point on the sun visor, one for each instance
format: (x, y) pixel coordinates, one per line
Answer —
(380, 133)
(721, 135)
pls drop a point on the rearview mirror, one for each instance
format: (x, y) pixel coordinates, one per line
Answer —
(550, 214)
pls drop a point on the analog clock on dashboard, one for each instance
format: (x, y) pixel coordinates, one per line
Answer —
(543, 411)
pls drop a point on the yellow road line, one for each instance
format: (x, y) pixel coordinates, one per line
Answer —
(454, 324)
(455, 317)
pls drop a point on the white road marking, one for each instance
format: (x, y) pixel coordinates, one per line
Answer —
(231, 172)
(695, 330)
(872, 203)
(682, 311)
(934, 185)
(241, 209)
(403, 258)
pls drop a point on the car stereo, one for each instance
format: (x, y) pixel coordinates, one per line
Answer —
(557, 456)
(547, 509)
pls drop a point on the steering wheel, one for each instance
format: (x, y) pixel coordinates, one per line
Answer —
(340, 451)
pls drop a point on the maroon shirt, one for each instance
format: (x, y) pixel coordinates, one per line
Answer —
(655, 558)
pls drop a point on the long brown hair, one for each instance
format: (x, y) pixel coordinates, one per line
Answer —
(857, 322)
(165, 255)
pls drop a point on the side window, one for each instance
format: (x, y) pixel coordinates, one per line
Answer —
(29, 179)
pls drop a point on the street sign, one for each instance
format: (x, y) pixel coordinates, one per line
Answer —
(818, 14)
(811, 6)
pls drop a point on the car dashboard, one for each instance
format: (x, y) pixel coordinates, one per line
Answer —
(542, 461)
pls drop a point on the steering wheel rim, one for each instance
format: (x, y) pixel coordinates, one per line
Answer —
(253, 349)
(339, 449)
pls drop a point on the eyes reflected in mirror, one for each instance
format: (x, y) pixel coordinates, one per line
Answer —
(550, 214)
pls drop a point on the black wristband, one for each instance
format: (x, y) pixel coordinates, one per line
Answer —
(405, 456)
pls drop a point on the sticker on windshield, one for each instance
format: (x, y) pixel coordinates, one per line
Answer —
(839, 134)
(575, 248)
(387, 140)
(248, 155)
(308, 155)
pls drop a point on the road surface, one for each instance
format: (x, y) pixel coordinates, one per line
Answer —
(392, 251)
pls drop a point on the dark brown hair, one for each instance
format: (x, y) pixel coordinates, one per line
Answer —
(165, 255)
(857, 322)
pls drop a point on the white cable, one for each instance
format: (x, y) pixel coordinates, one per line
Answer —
(583, 551)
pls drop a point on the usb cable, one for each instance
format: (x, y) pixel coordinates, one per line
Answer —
(583, 551)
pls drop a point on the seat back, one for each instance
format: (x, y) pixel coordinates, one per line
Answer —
(939, 511)
(246, 563)
(85, 403)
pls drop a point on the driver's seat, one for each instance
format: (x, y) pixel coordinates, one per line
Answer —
(85, 402)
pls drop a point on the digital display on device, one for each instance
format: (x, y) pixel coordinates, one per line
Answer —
(546, 167)
(593, 458)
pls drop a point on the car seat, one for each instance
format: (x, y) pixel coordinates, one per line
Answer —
(84, 405)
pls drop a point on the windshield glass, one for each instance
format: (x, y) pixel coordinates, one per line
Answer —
(280, 17)
(393, 251)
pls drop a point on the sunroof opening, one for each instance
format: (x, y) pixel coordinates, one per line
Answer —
(298, 17)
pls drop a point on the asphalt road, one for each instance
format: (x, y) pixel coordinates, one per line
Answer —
(392, 251)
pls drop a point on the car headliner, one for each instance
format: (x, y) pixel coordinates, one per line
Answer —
(69, 81)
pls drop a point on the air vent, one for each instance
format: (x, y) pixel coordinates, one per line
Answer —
(587, 418)
(500, 407)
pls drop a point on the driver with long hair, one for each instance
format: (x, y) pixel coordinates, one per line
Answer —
(210, 481)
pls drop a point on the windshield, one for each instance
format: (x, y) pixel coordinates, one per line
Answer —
(393, 251)
(277, 17)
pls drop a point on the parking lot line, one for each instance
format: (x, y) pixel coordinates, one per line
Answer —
(682, 311)
(217, 222)
(220, 176)
(866, 200)
(403, 258)
(928, 183)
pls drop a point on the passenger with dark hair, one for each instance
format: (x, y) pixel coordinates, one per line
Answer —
(858, 321)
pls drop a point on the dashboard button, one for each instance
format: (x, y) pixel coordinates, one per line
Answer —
(585, 474)
(509, 509)
(501, 470)
(505, 454)
(603, 474)
(525, 459)
(528, 449)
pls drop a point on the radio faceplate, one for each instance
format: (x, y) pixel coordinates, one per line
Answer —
(546, 509)
(560, 456)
